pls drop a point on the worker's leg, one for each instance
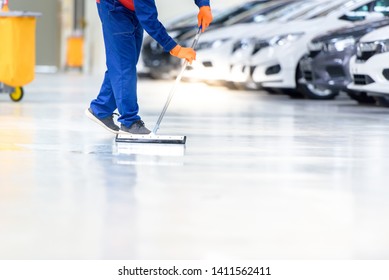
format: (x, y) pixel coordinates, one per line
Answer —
(121, 37)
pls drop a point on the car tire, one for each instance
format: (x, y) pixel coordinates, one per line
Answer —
(362, 98)
(311, 92)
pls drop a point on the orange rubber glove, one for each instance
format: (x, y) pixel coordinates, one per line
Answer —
(188, 53)
(204, 17)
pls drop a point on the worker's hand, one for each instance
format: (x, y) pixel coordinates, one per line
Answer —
(188, 53)
(204, 17)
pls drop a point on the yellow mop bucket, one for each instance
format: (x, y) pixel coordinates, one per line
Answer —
(75, 51)
(17, 48)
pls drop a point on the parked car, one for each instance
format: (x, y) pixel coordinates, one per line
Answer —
(370, 68)
(325, 70)
(216, 47)
(275, 64)
(161, 64)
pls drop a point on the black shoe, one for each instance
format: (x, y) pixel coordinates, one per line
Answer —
(137, 127)
(107, 122)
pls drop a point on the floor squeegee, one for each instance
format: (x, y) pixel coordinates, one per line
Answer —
(153, 137)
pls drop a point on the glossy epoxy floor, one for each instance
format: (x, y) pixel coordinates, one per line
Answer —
(261, 177)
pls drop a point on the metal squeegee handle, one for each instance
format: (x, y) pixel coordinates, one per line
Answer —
(178, 79)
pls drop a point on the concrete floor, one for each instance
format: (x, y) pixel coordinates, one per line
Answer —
(261, 177)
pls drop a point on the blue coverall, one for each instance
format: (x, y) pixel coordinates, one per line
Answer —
(123, 36)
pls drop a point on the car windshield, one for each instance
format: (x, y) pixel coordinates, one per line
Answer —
(257, 12)
(289, 11)
(318, 11)
(223, 15)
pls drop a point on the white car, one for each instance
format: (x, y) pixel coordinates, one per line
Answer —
(370, 67)
(215, 47)
(276, 59)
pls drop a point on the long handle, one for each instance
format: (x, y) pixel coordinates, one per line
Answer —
(178, 79)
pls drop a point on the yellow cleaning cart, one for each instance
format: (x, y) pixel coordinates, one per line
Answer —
(17, 51)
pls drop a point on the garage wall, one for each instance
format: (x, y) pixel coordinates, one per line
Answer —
(94, 49)
(48, 29)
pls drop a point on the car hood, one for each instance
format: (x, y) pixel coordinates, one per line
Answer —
(312, 27)
(379, 34)
(246, 30)
(356, 31)
(237, 31)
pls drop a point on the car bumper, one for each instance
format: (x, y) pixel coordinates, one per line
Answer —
(210, 64)
(369, 76)
(327, 70)
(275, 67)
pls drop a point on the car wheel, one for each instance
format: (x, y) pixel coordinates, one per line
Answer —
(309, 91)
(318, 93)
(362, 98)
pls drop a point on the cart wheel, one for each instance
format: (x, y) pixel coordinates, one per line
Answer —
(17, 94)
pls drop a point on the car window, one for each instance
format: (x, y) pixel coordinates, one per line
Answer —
(358, 13)
(322, 13)
(381, 6)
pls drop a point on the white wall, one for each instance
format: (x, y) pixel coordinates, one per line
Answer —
(94, 48)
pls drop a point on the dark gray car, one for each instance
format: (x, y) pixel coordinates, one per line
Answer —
(325, 70)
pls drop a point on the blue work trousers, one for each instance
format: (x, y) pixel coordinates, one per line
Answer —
(123, 36)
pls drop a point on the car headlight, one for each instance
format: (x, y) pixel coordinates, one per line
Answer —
(285, 39)
(382, 46)
(243, 44)
(211, 44)
(315, 46)
(339, 45)
(258, 44)
(250, 45)
(367, 49)
(219, 42)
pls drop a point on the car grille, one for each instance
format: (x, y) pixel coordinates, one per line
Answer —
(336, 71)
(363, 80)
(259, 46)
(364, 56)
(313, 54)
